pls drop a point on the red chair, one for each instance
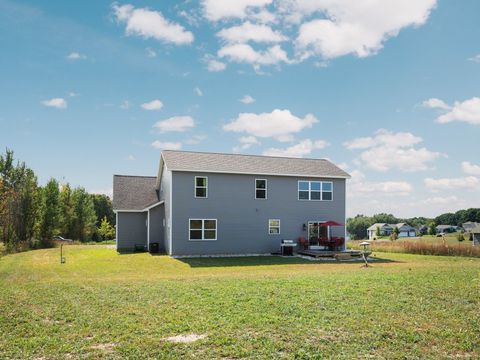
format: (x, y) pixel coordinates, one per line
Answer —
(323, 241)
(303, 242)
(339, 241)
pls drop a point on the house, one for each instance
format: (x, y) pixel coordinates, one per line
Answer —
(211, 203)
(475, 231)
(469, 225)
(404, 230)
(445, 229)
(423, 229)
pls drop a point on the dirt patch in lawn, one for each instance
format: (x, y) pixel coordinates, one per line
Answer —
(109, 347)
(186, 339)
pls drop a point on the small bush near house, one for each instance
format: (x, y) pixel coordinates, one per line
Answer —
(460, 237)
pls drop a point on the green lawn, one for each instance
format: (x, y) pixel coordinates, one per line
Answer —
(104, 305)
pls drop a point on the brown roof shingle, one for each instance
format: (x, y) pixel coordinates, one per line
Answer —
(134, 192)
(250, 164)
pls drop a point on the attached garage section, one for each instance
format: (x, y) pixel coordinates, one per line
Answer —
(131, 230)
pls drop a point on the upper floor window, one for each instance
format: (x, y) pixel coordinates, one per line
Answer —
(315, 190)
(260, 188)
(201, 186)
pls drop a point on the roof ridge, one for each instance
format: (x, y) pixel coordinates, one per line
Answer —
(135, 176)
(236, 154)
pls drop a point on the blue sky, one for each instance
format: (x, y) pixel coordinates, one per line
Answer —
(389, 90)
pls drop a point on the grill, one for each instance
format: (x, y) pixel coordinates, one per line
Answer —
(286, 247)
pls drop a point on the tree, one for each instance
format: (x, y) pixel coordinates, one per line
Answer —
(378, 231)
(103, 208)
(67, 209)
(394, 235)
(19, 202)
(85, 217)
(50, 223)
(106, 231)
(431, 228)
(384, 218)
(357, 226)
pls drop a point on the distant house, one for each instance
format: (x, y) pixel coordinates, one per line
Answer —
(475, 231)
(445, 229)
(423, 230)
(469, 226)
(404, 230)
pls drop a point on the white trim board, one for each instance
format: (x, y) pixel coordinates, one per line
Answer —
(140, 211)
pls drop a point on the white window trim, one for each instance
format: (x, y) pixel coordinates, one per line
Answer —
(266, 189)
(270, 227)
(310, 190)
(200, 187)
(203, 229)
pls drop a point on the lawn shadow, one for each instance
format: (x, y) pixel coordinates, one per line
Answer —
(197, 262)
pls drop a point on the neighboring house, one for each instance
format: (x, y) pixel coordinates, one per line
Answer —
(210, 203)
(475, 231)
(469, 226)
(445, 229)
(404, 230)
(423, 230)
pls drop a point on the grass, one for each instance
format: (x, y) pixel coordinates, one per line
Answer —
(425, 245)
(104, 305)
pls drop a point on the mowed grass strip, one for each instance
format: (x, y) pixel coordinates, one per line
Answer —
(104, 305)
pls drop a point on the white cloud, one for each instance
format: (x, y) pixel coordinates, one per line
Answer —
(125, 105)
(244, 53)
(468, 182)
(131, 158)
(475, 58)
(470, 169)
(215, 65)
(435, 103)
(358, 28)
(76, 56)
(250, 32)
(279, 124)
(388, 150)
(303, 148)
(467, 111)
(247, 99)
(359, 186)
(151, 24)
(198, 91)
(152, 105)
(175, 124)
(58, 103)
(166, 145)
(215, 10)
(439, 200)
(246, 142)
(150, 52)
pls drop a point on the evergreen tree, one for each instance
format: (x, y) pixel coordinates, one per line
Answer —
(50, 223)
(67, 209)
(106, 231)
(85, 217)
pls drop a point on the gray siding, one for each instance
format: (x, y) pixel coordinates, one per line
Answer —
(131, 230)
(476, 239)
(156, 226)
(242, 221)
(165, 192)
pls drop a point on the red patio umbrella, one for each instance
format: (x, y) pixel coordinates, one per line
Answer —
(330, 223)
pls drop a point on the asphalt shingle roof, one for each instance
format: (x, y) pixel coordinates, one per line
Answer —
(250, 164)
(134, 192)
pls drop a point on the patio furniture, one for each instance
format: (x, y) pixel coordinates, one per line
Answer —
(303, 242)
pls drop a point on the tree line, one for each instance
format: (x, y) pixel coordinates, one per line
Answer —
(357, 226)
(31, 215)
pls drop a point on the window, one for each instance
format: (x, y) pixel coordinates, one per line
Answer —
(315, 190)
(201, 186)
(203, 229)
(260, 189)
(274, 226)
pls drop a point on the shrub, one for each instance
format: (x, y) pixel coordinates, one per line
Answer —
(460, 237)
